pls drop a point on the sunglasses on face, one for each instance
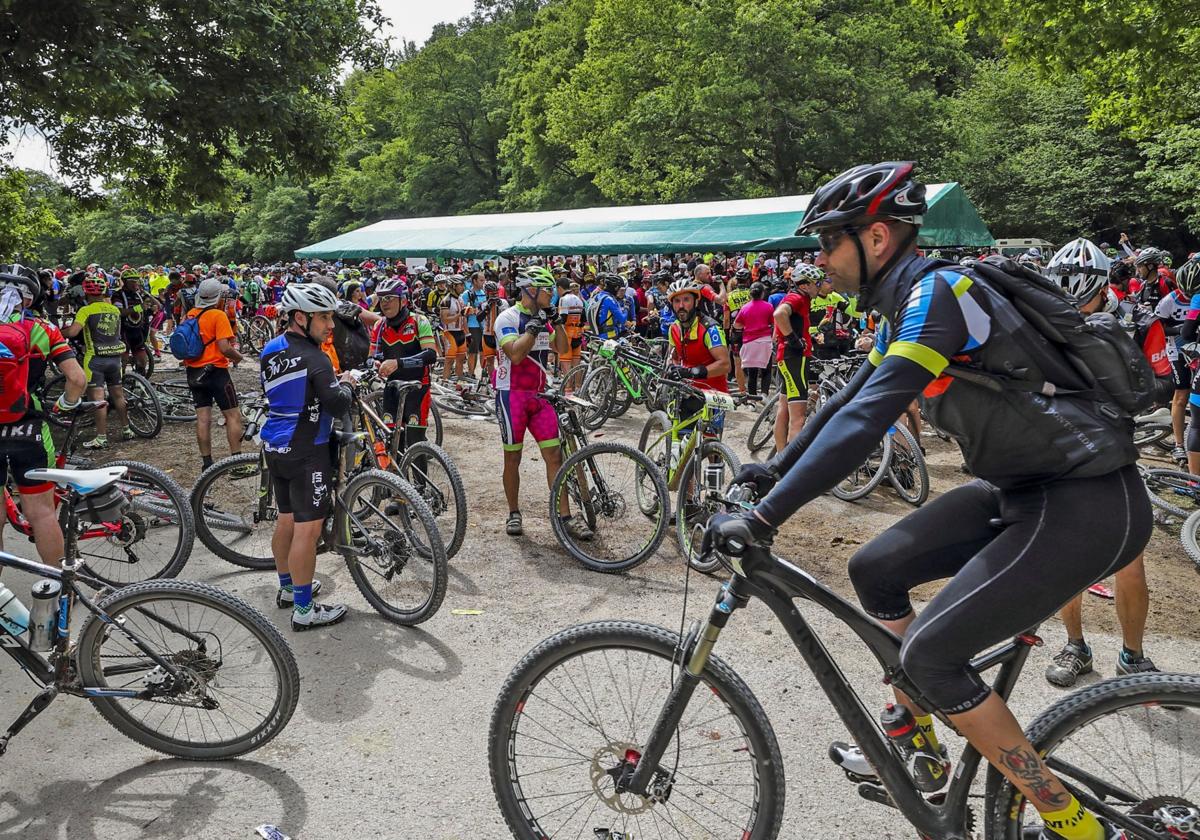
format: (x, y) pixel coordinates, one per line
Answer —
(829, 241)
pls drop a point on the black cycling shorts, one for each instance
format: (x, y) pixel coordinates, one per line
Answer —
(212, 385)
(24, 446)
(416, 406)
(735, 340)
(1013, 557)
(303, 486)
(1183, 373)
(475, 341)
(794, 370)
(134, 338)
(103, 370)
(489, 341)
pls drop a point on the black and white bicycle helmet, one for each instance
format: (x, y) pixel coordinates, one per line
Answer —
(1188, 277)
(1148, 256)
(1081, 268)
(309, 298)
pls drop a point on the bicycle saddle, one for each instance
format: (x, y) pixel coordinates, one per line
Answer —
(84, 482)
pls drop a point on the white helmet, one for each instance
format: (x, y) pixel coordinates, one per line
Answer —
(308, 297)
(1081, 268)
(807, 273)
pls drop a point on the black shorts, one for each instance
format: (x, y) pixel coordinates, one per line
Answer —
(794, 370)
(1183, 373)
(26, 446)
(212, 385)
(134, 338)
(489, 341)
(303, 486)
(475, 342)
(416, 406)
(103, 370)
(735, 340)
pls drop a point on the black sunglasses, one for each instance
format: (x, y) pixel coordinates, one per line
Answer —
(828, 242)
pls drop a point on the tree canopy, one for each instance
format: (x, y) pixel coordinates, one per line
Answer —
(252, 144)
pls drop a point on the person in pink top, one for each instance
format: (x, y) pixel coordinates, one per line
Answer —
(756, 320)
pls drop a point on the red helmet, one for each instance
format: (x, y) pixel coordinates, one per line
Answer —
(92, 286)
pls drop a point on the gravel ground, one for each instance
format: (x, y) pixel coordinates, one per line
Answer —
(390, 737)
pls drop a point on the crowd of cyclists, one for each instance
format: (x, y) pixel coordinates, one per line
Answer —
(739, 323)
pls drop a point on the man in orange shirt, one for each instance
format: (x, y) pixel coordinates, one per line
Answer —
(208, 376)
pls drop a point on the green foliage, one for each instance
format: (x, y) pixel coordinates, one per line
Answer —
(1025, 152)
(123, 232)
(165, 95)
(1173, 170)
(1136, 59)
(27, 216)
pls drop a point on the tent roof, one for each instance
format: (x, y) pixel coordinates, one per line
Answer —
(739, 225)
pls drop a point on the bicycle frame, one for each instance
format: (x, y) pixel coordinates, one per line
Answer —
(699, 423)
(776, 582)
(640, 368)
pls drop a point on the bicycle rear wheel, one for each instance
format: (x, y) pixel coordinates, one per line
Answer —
(598, 388)
(238, 681)
(907, 471)
(762, 432)
(175, 397)
(655, 444)
(393, 549)
(1174, 491)
(700, 498)
(430, 471)
(600, 482)
(152, 539)
(145, 412)
(235, 511)
(1128, 742)
(867, 476)
(1190, 534)
(574, 714)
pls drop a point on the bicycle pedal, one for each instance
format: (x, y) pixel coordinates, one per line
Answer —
(875, 792)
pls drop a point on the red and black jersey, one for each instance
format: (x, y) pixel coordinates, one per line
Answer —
(410, 338)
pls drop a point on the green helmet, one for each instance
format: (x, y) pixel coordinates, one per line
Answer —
(537, 277)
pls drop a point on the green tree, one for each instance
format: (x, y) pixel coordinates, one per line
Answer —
(122, 231)
(27, 217)
(164, 95)
(1026, 154)
(1136, 60)
(271, 224)
(678, 100)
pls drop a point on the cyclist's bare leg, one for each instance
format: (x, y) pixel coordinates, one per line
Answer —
(912, 419)
(39, 510)
(281, 541)
(739, 375)
(1179, 410)
(552, 455)
(301, 555)
(204, 431)
(233, 430)
(116, 395)
(101, 413)
(1133, 603)
(512, 478)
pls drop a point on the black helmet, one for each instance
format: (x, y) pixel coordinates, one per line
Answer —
(611, 281)
(1188, 277)
(871, 191)
(1119, 272)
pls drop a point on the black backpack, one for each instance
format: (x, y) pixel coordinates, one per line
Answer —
(1075, 354)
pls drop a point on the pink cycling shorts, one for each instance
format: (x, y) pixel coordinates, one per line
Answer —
(521, 410)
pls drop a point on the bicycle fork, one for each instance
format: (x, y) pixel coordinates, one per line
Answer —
(696, 650)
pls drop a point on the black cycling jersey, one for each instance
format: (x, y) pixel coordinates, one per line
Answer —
(303, 396)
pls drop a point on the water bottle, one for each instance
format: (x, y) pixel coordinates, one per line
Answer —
(13, 616)
(928, 770)
(43, 614)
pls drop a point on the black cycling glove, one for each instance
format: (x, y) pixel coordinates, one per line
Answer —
(795, 344)
(536, 325)
(762, 477)
(734, 533)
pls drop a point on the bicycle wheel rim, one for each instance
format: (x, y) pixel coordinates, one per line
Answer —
(558, 733)
(655, 444)
(255, 693)
(402, 583)
(233, 520)
(866, 477)
(434, 476)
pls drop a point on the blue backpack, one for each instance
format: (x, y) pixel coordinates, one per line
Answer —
(186, 343)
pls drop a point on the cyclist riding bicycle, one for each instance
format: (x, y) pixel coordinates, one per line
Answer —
(27, 345)
(303, 398)
(100, 324)
(526, 338)
(1017, 542)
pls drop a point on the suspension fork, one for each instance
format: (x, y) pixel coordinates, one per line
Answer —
(696, 650)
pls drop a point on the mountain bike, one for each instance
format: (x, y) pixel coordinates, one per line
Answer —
(604, 483)
(618, 377)
(696, 465)
(151, 538)
(617, 729)
(380, 525)
(143, 410)
(175, 397)
(474, 400)
(178, 667)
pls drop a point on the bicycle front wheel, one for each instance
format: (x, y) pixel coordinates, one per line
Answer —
(430, 471)
(237, 682)
(655, 444)
(392, 547)
(602, 482)
(1190, 534)
(153, 538)
(763, 430)
(235, 511)
(175, 397)
(145, 412)
(700, 497)
(574, 715)
(1129, 742)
